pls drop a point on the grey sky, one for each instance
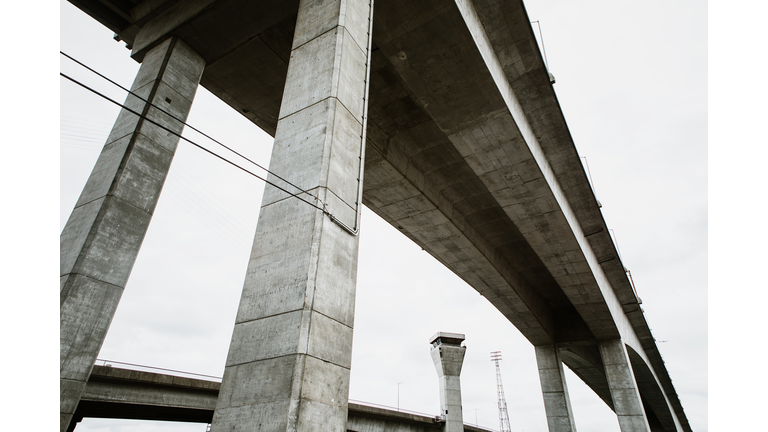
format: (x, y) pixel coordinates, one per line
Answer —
(632, 82)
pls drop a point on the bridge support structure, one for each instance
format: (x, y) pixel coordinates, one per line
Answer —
(625, 397)
(103, 235)
(621, 380)
(295, 318)
(557, 403)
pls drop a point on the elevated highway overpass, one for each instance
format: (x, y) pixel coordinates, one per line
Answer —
(118, 393)
(465, 151)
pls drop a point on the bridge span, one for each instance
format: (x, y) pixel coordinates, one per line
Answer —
(438, 116)
(117, 393)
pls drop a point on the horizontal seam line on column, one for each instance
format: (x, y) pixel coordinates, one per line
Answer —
(321, 34)
(130, 204)
(330, 30)
(92, 278)
(116, 139)
(74, 380)
(320, 101)
(291, 196)
(88, 202)
(332, 319)
(162, 147)
(287, 355)
(340, 198)
(291, 311)
(268, 316)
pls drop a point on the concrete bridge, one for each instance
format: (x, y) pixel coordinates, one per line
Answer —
(438, 116)
(137, 395)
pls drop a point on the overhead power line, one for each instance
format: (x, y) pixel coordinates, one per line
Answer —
(354, 231)
(173, 117)
(123, 106)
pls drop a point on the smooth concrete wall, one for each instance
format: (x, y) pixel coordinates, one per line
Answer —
(102, 237)
(291, 349)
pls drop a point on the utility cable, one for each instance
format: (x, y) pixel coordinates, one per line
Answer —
(182, 122)
(227, 225)
(203, 148)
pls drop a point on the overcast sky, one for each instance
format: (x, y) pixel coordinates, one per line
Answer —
(632, 83)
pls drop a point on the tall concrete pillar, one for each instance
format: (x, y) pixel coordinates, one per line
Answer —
(101, 239)
(290, 355)
(448, 357)
(557, 403)
(621, 380)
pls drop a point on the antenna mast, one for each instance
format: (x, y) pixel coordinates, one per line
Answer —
(503, 414)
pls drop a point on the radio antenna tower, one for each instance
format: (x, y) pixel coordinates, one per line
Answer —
(503, 414)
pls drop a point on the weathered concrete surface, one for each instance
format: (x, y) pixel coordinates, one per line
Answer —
(102, 237)
(128, 394)
(557, 403)
(290, 354)
(655, 403)
(363, 418)
(448, 357)
(468, 154)
(621, 381)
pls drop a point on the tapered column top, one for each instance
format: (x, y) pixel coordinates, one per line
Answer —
(442, 338)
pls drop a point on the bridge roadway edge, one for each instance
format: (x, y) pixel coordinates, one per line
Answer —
(614, 269)
(597, 266)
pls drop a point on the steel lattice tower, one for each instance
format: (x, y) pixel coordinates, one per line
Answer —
(503, 414)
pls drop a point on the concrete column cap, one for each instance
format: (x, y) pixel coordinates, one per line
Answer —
(444, 337)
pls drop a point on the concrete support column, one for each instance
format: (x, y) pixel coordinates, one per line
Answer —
(621, 380)
(290, 355)
(557, 403)
(448, 357)
(101, 239)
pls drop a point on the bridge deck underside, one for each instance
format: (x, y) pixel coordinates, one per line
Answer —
(445, 161)
(461, 115)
